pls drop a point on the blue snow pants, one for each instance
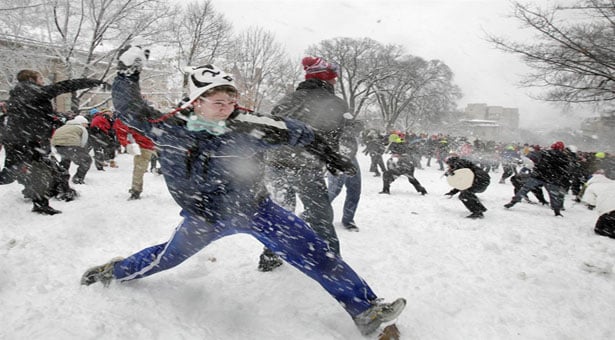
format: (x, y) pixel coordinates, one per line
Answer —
(353, 191)
(279, 230)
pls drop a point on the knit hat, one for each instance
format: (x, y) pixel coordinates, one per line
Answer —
(600, 155)
(203, 78)
(318, 68)
(395, 138)
(94, 111)
(559, 145)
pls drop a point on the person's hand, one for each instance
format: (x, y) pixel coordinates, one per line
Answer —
(338, 164)
(131, 59)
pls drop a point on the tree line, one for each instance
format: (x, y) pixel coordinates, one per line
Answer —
(572, 60)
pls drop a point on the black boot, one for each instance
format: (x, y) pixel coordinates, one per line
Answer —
(67, 195)
(510, 204)
(476, 215)
(268, 261)
(45, 210)
(134, 194)
(385, 191)
(78, 180)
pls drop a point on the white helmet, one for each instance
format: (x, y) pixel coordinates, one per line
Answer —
(203, 78)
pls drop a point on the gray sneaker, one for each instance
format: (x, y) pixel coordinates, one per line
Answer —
(102, 273)
(372, 318)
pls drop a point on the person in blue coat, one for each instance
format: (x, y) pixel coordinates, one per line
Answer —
(213, 164)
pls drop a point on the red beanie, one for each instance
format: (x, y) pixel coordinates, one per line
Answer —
(559, 145)
(318, 68)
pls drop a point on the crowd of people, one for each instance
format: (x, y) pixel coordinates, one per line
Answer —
(558, 168)
(220, 161)
(40, 143)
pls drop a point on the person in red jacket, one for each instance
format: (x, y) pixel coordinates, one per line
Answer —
(143, 152)
(103, 139)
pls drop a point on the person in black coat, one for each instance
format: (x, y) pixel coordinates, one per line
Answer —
(552, 171)
(296, 172)
(30, 124)
(401, 163)
(479, 184)
(374, 148)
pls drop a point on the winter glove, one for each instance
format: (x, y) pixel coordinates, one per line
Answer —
(336, 163)
(270, 129)
(131, 60)
(452, 192)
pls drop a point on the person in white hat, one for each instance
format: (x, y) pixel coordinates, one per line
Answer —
(213, 167)
(71, 142)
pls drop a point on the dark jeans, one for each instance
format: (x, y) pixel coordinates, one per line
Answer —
(77, 155)
(519, 180)
(470, 200)
(393, 173)
(309, 184)
(353, 191)
(556, 192)
(104, 149)
(376, 162)
(509, 170)
(27, 163)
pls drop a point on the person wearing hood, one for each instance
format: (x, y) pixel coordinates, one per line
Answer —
(213, 166)
(71, 143)
(30, 124)
(599, 194)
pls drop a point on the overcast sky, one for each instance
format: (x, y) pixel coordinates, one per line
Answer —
(449, 30)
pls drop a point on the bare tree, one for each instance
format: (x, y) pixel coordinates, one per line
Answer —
(420, 91)
(257, 61)
(201, 35)
(78, 33)
(364, 63)
(16, 15)
(573, 53)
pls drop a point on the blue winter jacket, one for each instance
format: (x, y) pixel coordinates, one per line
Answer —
(212, 176)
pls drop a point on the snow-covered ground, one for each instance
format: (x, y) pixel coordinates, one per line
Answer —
(516, 274)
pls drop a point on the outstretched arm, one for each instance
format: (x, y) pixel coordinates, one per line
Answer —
(65, 86)
(276, 130)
